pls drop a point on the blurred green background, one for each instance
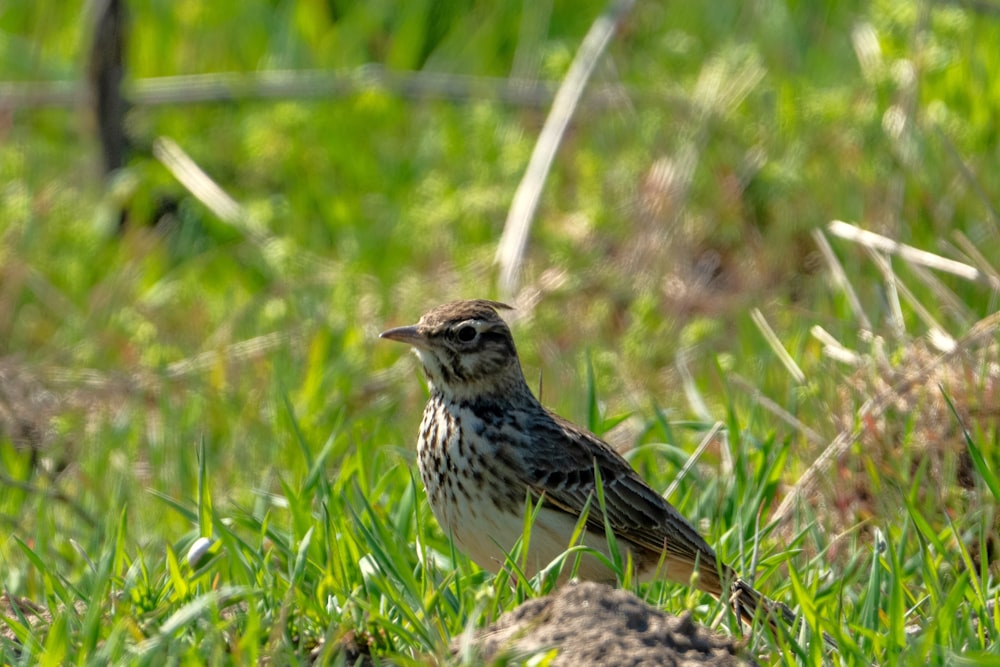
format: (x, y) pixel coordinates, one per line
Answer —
(714, 139)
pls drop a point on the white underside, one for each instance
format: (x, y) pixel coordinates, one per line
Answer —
(491, 537)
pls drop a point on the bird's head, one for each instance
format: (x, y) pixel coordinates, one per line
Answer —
(466, 348)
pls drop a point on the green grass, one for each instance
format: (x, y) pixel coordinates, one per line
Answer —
(187, 381)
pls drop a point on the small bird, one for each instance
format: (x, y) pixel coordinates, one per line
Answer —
(486, 444)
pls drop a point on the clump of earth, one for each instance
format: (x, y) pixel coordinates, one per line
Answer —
(593, 624)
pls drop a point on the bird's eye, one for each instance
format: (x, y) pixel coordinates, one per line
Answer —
(467, 334)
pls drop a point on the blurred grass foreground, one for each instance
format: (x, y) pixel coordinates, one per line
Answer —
(762, 263)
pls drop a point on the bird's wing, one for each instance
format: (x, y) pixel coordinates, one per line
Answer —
(560, 466)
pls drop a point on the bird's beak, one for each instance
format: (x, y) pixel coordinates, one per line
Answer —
(409, 335)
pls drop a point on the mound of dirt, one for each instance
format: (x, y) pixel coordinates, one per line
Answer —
(594, 624)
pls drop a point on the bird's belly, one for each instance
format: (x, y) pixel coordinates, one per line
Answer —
(467, 499)
(483, 509)
(481, 531)
(487, 537)
(484, 512)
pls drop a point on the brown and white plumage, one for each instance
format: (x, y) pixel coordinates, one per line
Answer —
(486, 443)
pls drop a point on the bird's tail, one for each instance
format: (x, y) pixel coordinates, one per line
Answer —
(749, 603)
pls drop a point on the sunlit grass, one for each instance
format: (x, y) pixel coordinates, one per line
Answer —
(206, 455)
